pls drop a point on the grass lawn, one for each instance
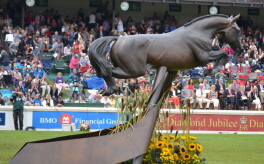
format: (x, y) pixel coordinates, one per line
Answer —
(217, 148)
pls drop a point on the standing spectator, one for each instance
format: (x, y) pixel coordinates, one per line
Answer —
(255, 98)
(92, 20)
(74, 63)
(201, 97)
(220, 88)
(230, 96)
(18, 107)
(41, 47)
(4, 58)
(30, 19)
(260, 87)
(120, 27)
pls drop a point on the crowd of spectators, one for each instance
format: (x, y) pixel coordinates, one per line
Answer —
(68, 38)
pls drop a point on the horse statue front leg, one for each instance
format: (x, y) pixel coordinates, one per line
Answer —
(220, 57)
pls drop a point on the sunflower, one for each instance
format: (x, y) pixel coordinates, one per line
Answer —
(160, 144)
(172, 137)
(192, 138)
(183, 137)
(199, 147)
(176, 138)
(175, 156)
(170, 145)
(186, 156)
(182, 149)
(165, 150)
(192, 147)
(164, 138)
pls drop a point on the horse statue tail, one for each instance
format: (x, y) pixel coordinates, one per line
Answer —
(97, 56)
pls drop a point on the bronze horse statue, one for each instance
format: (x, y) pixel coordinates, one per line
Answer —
(184, 48)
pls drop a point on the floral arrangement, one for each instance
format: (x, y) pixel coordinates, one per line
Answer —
(84, 126)
(171, 149)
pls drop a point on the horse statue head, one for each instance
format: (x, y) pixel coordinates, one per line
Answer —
(231, 34)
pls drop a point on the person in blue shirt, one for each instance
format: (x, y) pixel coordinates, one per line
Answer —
(29, 71)
(20, 66)
(39, 71)
(75, 82)
(56, 36)
(37, 101)
(173, 26)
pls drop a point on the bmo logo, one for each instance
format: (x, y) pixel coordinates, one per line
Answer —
(65, 119)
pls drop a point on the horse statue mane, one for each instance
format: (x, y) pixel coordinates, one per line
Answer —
(204, 17)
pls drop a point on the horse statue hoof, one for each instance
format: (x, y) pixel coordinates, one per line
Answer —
(101, 91)
(109, 91)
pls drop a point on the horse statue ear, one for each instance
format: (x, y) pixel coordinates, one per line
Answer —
(231, 17)
(235, 18)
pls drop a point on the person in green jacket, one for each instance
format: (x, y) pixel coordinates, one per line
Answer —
(18, 107)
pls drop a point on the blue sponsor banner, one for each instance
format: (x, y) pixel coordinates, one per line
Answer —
(2, 119)
(54, 120)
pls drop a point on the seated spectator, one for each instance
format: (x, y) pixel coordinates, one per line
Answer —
(20, 66)
(27, 81)
(133, 86)
(9, 103)
(21, 87)
(44, 84)
(2, 73)
(229, 64)
(37, 81)
(87, 74)
(255, 98)
(48, 102)
(28, 71)
(35, 62)
(60, 83)
(17, 77)
(37, 101)
(178, 86)
(230, 96)
(2, 102)
(260, 87)
(213, 96)
(54, 92)
(84, 61)
(75, 82)
(173, 96)
(33, 90)
(106, 101)
(201, 97)
(242, 97)
(187, 94)
(248, 87)
(59, 102)
(191, 85)
(39, 71)
(206, 86)
(235, 86)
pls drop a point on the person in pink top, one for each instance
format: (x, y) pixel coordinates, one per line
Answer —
(75, 61)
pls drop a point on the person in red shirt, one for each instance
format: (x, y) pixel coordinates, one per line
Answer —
(30, 19)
